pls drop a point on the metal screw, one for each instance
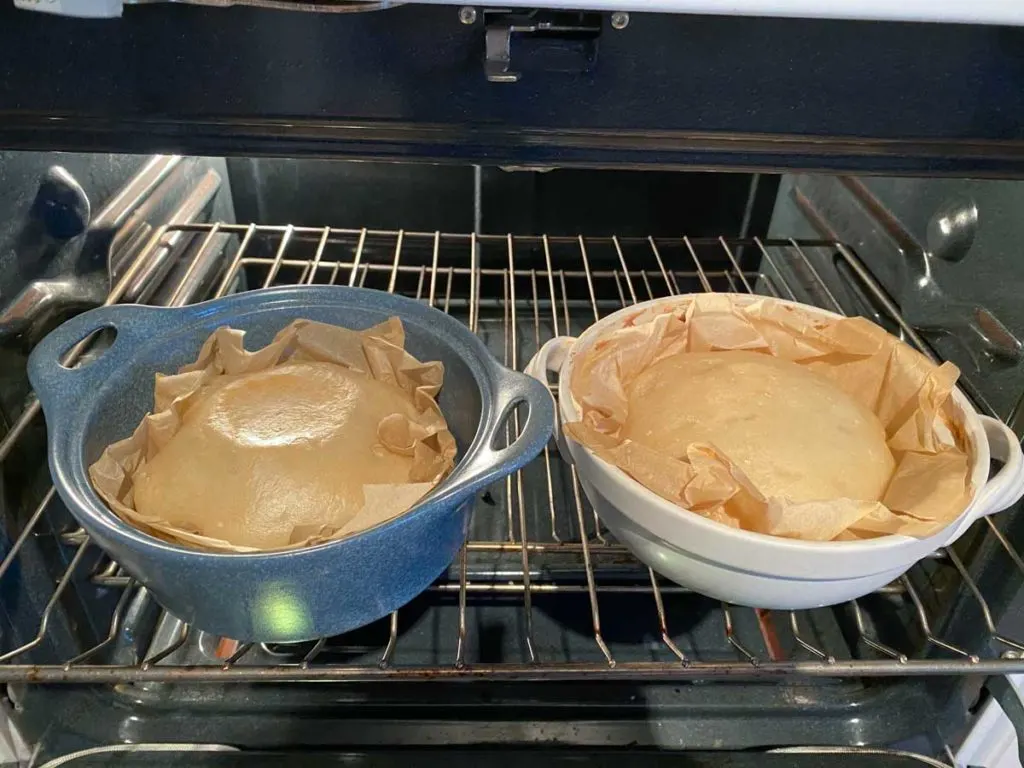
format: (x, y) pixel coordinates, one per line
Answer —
(620, 20)
(467, 15)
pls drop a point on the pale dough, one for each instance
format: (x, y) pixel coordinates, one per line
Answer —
(270, 458)
(790, 430)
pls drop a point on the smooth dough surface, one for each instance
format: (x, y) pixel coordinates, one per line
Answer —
(794, 433)
(268, 458)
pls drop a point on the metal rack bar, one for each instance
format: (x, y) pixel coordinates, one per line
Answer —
(821, 284)
(883, 299)
(314, 652)
(509, 331)
(389, 649)
(460, 648)
(523, 533)
(597, 316)
(51, 603)
(347, 235)
(922, 619)
(871, 642)
(115, 627)
(183, 634)
(286, 238)
(670, 282)
(561, 588)
(735, 265)
(766, 255)
(705, 283)
(730, 635)
(193, 274)
(659, 602)
(657, 670)
(474, 284)
(236, 262)
(310, 274)
(238, 655)
(1004, 542)
(595, 610)
(659, 605)
(363, 266)
(355, 261)
(982, 602)
(27, 531)
(590, 279)
(537, 343)
(794, 624)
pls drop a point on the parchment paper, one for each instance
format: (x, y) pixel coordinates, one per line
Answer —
(930, 485)
(377, 352)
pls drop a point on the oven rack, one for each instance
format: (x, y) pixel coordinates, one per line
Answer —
(517, 291)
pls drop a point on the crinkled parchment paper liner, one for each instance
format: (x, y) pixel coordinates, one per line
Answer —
(378, 352)
(930, 485)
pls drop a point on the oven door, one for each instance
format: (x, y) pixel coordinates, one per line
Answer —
(981, 12)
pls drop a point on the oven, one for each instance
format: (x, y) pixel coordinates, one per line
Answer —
(527, 171)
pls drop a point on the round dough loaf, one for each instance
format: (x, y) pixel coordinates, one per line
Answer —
(267, 459)
(792, 432)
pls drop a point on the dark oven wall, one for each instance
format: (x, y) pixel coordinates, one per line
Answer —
(314, 192)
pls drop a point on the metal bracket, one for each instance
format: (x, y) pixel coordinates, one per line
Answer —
(498, 53)
(571, 33)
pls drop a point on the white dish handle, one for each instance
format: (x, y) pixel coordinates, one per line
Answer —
(549, 359)
(1006, 487)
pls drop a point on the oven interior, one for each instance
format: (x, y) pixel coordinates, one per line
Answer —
(544, 631)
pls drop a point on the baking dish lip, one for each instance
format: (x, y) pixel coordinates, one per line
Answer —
(66, 453)
(569, 411)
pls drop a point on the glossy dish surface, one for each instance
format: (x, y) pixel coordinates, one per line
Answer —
(298, 594)
(750, 568)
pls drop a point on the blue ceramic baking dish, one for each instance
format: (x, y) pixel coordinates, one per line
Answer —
(298, 594)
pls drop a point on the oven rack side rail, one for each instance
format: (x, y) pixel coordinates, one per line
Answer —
(303, 255)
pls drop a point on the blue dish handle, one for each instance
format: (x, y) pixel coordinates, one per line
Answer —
(56, 384)
(489, 463)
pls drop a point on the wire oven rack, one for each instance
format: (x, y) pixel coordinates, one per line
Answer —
(536, 551)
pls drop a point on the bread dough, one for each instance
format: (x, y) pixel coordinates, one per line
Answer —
(270, 458)
(790, 430)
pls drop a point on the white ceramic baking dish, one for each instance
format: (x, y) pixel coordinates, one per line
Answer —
(751, 568)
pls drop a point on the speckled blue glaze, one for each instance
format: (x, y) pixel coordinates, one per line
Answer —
(299, 594)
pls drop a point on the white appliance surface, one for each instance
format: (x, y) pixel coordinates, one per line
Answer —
(975, 12)
(992, 742)
(979, 12)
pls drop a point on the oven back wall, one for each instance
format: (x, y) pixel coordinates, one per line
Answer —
(521, 201)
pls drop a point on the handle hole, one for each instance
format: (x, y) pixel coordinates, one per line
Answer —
(91, 348)
(551, 379)
(511, 424)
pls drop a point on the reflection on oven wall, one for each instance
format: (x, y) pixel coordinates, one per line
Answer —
(69, 224)
(945, 250)
(46, 200)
